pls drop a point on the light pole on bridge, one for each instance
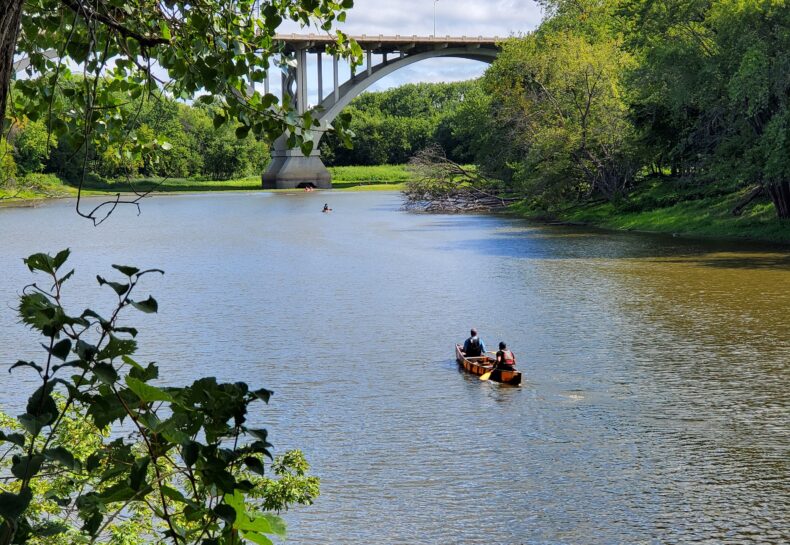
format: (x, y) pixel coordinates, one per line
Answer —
(434, 18)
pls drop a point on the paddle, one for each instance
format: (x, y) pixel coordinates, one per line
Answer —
(487, 374)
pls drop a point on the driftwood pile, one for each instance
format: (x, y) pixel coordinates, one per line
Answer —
(458, 201)
(441, 185)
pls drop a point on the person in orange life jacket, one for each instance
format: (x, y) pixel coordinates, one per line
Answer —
(474, 347)
(505, 358)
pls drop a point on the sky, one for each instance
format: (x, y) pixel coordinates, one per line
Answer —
(492, 18)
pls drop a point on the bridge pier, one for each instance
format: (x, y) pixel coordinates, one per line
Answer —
(289, 169)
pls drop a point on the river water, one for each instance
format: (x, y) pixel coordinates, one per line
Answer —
(655, 407)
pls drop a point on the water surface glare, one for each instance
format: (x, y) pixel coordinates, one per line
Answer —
(655, 407)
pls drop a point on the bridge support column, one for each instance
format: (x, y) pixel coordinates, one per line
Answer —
(290, 169)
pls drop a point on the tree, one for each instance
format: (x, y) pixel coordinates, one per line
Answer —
(186, 468)
(560, 94)
(712, 89)
(214, 47)
(31, 146)
(7, 164)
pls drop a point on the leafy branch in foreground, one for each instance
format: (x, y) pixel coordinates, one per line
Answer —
(102, 455)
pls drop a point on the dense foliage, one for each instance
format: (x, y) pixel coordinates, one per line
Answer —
(103, 454)
(606, 93)
(390, 126)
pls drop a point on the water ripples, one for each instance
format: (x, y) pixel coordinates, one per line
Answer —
(655, 408)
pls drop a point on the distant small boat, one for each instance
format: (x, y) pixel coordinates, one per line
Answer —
(483, 364)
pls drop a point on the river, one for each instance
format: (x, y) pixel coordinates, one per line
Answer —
(655, 407)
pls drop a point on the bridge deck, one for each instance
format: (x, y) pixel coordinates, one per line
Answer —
(386, 44)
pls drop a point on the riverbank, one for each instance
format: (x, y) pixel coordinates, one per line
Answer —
(678, 210)
(39, 187)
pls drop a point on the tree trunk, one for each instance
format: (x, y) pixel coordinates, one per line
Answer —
(9, 29)
(780, 195)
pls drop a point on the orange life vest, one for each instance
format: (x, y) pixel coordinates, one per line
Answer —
(508, 358)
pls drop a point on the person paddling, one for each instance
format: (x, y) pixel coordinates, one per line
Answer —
(474, 347)
(326, 208)
(505, 358)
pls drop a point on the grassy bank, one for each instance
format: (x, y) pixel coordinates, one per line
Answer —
(43, 186)
(370, 178)
(679, 209)
(35, 187)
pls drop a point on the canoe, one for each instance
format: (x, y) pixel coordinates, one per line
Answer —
(484, 364)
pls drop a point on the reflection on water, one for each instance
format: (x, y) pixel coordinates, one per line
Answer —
(655, 407)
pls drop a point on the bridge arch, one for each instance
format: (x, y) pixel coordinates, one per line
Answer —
(330, 107)
(289, 168)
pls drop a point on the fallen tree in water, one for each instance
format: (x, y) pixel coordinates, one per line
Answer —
(441, 185)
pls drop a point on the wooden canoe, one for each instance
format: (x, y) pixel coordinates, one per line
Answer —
(484, 364)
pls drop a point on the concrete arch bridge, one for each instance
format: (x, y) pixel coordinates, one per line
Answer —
(289, 167)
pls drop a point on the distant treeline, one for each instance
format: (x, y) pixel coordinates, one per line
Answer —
(391, 126)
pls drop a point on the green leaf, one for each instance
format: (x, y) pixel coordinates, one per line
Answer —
(33, 424)
(119, 288)
(15, 438)
(61, 349)
(31, 364)
(263, 394)
(225, 512)
(49, 529)
(106, 373)
(62, 456)
(165, 30)
(146, 392)
(262, 524)
(41, 403)
(242, 131)
(254, 464)
(25, 467)
(60, 258)
(148, 306)
(219, 120)
(117, 493)
(138, 473)
(261, 434)
(306, 147)
(117, 347)
(12, 506)
(167, 146)
(40, 262)
(128, 271)
(190, 452)
(174, 495)
(260, 539)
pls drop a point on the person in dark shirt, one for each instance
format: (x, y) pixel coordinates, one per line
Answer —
(505, 358)
(474, 347)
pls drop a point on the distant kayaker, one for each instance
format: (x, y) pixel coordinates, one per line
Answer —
(505, 358)
(474, 347)
(326, 208)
